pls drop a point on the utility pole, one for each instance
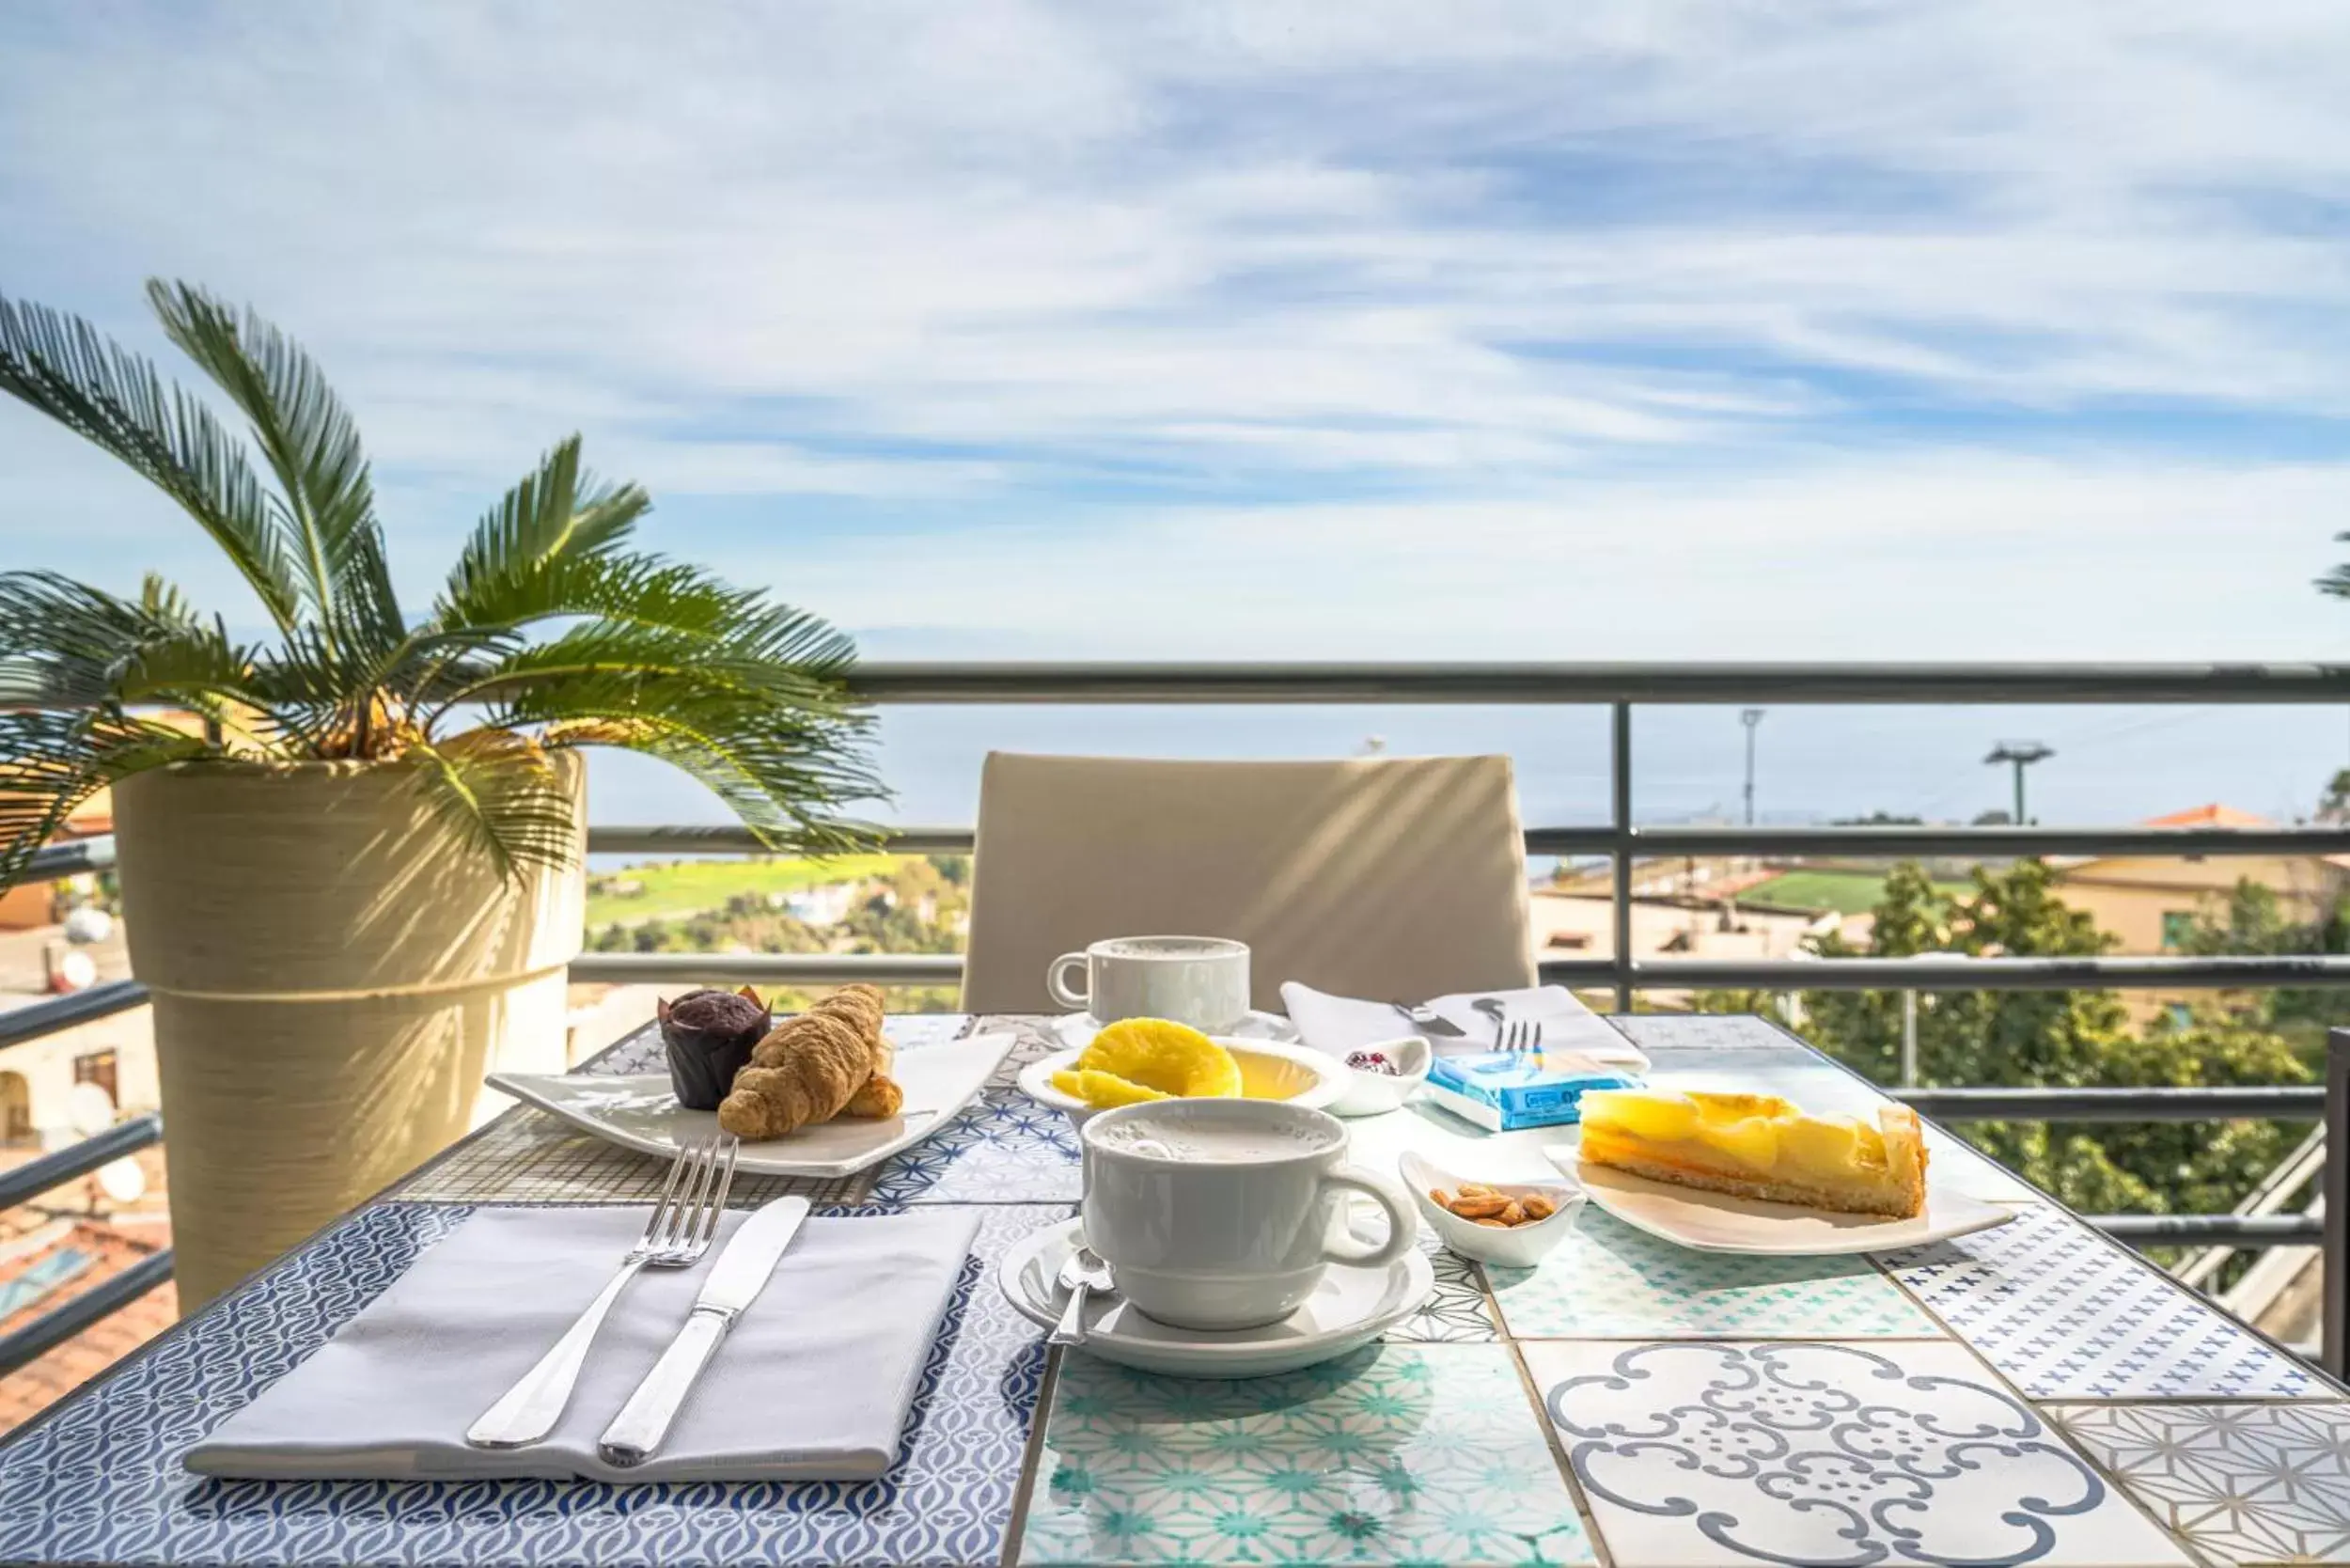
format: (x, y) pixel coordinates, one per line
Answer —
(1751, 717)
(2021, 755)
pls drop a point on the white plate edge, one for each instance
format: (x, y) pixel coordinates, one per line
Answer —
(522, 1087)
(1995, 1214)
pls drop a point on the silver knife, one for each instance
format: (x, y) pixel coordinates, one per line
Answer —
(735, 1280)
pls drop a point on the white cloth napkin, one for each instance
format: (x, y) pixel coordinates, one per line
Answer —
(813, 1382)
(1339, 1024)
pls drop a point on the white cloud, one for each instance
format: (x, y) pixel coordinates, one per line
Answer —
(1687, 275)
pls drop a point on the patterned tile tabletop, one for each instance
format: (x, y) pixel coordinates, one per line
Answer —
(2029, 1394)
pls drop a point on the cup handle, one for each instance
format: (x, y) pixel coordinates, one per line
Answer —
(1403, 1225)
(1059, 988)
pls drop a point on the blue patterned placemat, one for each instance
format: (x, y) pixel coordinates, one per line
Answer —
(100, 1479)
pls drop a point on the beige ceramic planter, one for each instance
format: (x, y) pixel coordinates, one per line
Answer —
(332, 972)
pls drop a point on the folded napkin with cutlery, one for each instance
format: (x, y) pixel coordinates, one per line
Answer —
(812, 1384)
(1571, 1031)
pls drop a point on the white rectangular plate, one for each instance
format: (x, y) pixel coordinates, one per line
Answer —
(1716, 1222)
(639, 1111)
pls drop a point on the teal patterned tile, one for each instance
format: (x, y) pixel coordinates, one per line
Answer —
(1394, 1454)
(1456, 1311)
(1610, 1280)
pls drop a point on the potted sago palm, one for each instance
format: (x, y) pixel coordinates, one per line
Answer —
(351, 847)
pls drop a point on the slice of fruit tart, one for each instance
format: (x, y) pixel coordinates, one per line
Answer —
(1760, 1146)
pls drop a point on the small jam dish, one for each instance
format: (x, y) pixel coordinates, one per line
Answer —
(1509, 1246)
(1374, 1093)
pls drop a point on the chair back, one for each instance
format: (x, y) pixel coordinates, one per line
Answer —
(1390, 877)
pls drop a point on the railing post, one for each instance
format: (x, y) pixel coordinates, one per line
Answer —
(1909, 1040)
(1620, 778)
(2333, 1187)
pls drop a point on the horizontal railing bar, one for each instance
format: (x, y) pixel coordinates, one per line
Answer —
(31, 1022)
(1886, 844)
(786, 968)
(2214, 1229)
(1858, 844)
(1856, 973)
(24, 1183)
(1958, 974)
(68, 859)
(1233, 683)
(740, 840)
(2219, 1103)
(102, 1300)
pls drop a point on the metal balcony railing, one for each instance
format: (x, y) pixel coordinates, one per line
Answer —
(1620, 688)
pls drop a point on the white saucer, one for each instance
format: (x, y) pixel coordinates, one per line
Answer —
(1716, 1222)
(1078, 1028)
(1351, 1307)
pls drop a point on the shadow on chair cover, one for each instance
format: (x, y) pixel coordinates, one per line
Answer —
(1392, 877)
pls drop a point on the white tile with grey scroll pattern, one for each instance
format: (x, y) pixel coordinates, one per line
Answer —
(2064, 1314)
(1826, 1453)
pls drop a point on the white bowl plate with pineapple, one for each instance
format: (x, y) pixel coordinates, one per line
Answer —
(1149, 1059)
(1734, 1172)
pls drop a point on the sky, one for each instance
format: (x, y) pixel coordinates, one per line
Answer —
(1482, 330)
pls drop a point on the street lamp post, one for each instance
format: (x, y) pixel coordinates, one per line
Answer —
(1751, 717)
(2021, 755)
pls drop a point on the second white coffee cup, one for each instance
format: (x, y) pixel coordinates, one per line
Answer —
(1200, 980)
(1223, 1214)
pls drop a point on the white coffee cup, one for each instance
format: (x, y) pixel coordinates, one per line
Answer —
(1223, 1214)
(1200, 980)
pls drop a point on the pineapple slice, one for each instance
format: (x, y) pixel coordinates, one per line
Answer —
(1172, 1059)
(1104, 1091)
(1658, 1118)
(1832, 1144)
(1751, 1140)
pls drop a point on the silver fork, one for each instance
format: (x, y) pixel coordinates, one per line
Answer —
(1509, 1034)
(679, 1233)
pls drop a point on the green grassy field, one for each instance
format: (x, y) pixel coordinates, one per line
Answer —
(1845, 892)
(674, 888)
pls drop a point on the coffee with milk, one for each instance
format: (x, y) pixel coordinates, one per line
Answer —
(1221, 1214)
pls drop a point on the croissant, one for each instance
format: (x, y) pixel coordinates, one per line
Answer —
(881, 1096)
(804, 1071)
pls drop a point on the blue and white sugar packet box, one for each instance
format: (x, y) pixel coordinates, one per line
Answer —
(1504, 1091)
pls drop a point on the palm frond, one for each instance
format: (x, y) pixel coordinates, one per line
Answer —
(56, 761)
(2337, 582)
(620, 589)
(786, 788)
(502, 794)
(67, 646)
(313, 446)
(781, 743)
(62, 366)
(558, 518)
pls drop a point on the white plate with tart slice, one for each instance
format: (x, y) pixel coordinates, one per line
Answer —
(1751, 1173)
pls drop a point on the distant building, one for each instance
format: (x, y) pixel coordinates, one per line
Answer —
(2152, 902)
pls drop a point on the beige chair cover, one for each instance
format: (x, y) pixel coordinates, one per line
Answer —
(1386, 877)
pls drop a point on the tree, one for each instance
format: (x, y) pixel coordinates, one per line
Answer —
(2063, 1038)
(2253, 921)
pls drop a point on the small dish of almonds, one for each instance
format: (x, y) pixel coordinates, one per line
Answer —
(1512, 1224)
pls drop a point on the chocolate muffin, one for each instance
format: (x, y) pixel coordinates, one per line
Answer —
(709, 1035)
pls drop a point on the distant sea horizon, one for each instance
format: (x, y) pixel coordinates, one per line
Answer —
(2112, 765)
